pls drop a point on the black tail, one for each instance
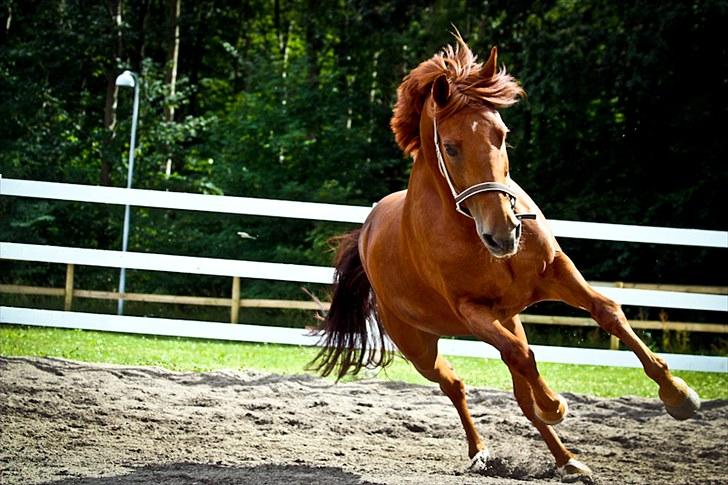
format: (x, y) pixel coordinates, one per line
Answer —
(346, 339)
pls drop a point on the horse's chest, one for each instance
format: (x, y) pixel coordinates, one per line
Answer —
(503, 288)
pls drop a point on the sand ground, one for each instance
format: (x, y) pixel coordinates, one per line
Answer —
(68, 422)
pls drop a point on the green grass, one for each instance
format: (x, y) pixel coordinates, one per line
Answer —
(183, 354)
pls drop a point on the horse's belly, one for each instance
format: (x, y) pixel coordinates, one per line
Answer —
(401, 294)
(424, 310)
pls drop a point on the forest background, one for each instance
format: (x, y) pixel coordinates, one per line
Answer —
(624, 122)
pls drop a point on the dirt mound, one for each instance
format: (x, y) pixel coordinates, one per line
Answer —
(75, 423)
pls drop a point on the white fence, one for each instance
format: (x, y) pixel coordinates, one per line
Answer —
(296, 272)
(330, 212)
(317, 274)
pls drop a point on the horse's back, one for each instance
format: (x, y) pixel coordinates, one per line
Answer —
(381, 229)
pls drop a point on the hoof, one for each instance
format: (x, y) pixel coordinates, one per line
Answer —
(554, 417)
(479, 463)
(685, 404)
(574, 471)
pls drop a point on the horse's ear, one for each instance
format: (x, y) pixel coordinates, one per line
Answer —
(441, 91)
(490, 67)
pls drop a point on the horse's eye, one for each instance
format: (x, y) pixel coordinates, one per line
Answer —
(451, 150)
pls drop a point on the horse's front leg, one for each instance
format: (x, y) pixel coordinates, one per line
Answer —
(562, 281)
(549, 407)
(567, 466)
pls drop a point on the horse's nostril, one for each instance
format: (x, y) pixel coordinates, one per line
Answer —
(490, 241)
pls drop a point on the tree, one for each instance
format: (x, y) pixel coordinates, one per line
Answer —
(292, 99)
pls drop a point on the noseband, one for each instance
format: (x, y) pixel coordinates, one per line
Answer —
(474, 189)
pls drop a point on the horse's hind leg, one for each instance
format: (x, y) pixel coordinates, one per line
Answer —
(420, 348)
(566, 283)
(440, 371)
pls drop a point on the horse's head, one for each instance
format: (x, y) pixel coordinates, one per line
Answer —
(470, 144)
(452, 100)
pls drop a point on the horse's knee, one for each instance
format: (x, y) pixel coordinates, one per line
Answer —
(520, 359)
(610, 317)
(454, 389)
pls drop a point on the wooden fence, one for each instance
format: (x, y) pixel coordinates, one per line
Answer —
(235, 303)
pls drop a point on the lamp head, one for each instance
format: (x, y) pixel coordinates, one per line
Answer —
(126, 79)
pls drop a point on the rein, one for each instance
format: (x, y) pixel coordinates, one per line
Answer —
(475, 189)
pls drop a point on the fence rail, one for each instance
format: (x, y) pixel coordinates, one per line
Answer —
(232, 303)
(661, 296)
(297, 272)
(297, 336)
(330, 212)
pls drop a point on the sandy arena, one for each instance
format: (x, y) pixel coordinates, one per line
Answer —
(66, 422)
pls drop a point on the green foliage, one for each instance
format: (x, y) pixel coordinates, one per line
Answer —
(617, 103)
(291, 100)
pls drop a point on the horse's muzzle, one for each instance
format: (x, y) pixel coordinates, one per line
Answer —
(500, 246)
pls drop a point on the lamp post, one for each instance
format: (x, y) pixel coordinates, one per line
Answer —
(130, 80)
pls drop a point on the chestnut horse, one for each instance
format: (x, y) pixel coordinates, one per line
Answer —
(461, 252)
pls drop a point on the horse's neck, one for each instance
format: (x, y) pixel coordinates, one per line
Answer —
(423, 186)
(425, 181)
(429, 199)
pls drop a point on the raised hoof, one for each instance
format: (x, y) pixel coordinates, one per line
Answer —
(685, 404)
(479, 463)
(574, 471)
(554, 417)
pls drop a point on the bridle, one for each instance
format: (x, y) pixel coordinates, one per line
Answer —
(475, 189)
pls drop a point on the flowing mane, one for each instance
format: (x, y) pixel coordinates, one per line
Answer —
(468, 88)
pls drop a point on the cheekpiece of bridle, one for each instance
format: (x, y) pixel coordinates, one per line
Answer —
(461, 197)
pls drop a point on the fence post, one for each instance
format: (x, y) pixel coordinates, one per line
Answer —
(68, 295)
(235, 300)
(613, 342)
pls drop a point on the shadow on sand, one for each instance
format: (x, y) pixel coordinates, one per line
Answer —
(199, 474)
